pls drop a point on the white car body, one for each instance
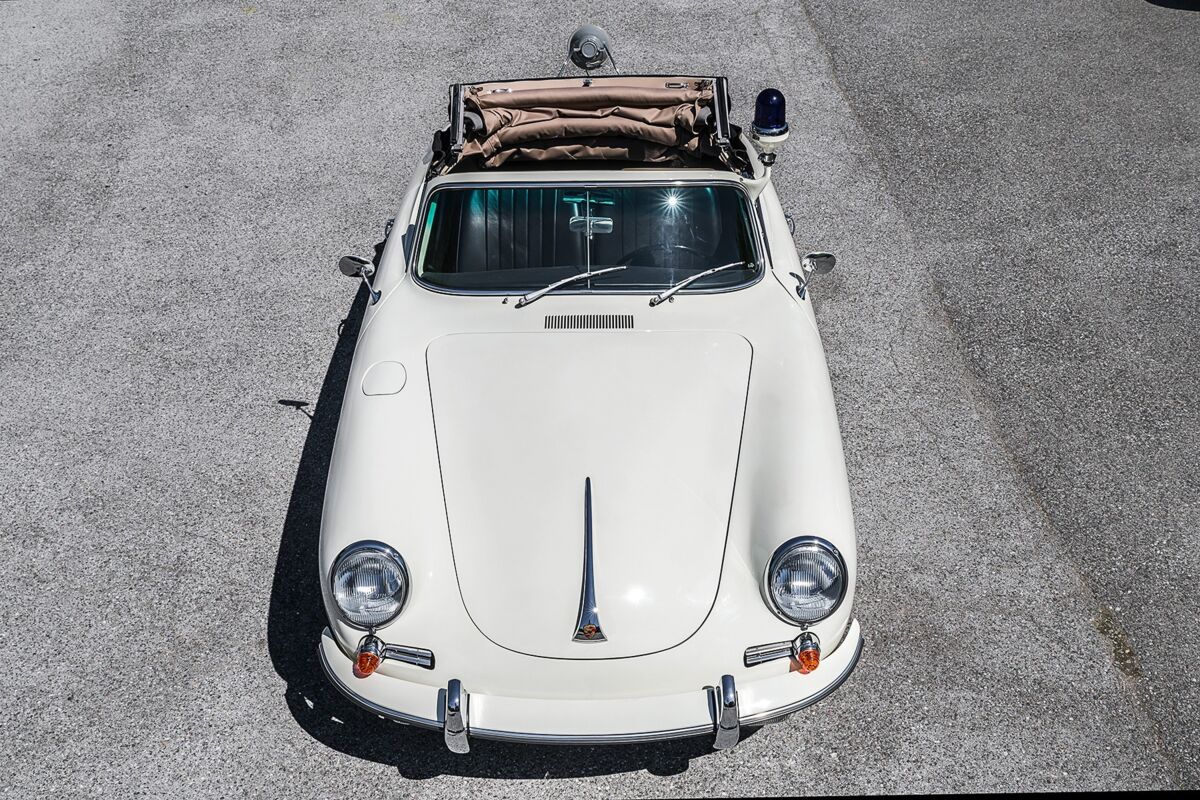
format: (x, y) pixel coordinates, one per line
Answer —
(708, 432)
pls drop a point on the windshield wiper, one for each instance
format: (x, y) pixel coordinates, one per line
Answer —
(529, 298)
(665, 295)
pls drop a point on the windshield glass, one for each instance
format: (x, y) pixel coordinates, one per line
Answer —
(525, 238)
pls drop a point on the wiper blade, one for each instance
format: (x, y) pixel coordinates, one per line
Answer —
(529, 298)
(665, 295)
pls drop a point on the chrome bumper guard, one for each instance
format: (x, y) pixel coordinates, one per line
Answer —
(454, 709)
(725, 711)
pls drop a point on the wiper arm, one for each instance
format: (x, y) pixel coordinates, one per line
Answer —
(540, 293)
(665, 295)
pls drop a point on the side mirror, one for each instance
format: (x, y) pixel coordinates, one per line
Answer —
(812, 264)
(819, 263)
(356, 267)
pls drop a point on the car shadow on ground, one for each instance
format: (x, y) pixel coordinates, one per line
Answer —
(1178, 5)
(297, 616)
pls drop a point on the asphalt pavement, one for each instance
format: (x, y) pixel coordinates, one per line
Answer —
(1011, 192)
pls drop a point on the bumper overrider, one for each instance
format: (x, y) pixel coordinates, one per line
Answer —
(718, 710)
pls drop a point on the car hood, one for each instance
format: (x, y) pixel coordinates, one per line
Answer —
(653, 419)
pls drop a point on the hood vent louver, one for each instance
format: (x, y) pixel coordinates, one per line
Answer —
(559, 322)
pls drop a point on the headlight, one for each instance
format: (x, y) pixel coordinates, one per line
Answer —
(806, 580)
(370, 584)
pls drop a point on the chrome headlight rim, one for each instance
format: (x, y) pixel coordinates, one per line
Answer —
(782, 552)
(384, 549)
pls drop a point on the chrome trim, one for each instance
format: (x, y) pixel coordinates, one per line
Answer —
(417, 656)
(428, 192)
(587, 626)
(805, 641)
(762, 653)
(762, 225)
(520, 737)
(386, 549)
(590, 739)
(369, 644)
(728, 727)
(784, 548)
(455, 709)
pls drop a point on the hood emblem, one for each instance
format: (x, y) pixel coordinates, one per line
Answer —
(587, 628)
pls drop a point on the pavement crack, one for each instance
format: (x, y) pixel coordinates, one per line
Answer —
(1124, 657)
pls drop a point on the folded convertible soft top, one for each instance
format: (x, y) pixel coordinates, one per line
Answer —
(673, 121)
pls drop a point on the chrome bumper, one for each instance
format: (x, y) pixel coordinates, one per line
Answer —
(453, 714)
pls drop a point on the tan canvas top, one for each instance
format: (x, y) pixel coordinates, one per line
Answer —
(624, 118)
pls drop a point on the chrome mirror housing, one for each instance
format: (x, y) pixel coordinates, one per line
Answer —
(812, 264)
(357, 267)
(818, 263)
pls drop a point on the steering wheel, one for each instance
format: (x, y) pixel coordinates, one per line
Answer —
(642, 252)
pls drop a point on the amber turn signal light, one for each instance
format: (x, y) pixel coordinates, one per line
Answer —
(807, 653)
(368, 656)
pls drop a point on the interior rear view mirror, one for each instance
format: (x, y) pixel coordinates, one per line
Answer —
(590, 225)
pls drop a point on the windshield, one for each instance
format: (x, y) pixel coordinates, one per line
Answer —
(525, 238)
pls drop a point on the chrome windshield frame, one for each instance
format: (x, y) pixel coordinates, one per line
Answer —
(753, 218)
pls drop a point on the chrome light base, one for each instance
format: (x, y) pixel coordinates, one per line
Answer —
(762, 653)
(417, 656)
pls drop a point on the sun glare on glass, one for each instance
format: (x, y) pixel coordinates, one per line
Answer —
(671, 201)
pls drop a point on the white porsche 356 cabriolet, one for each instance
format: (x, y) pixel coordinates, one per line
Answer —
(588, 484)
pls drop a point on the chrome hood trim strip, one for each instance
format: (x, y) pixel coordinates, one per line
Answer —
(587, 626)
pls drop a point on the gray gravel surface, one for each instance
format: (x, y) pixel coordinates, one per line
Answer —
(1048, 154)
(1012, 197)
